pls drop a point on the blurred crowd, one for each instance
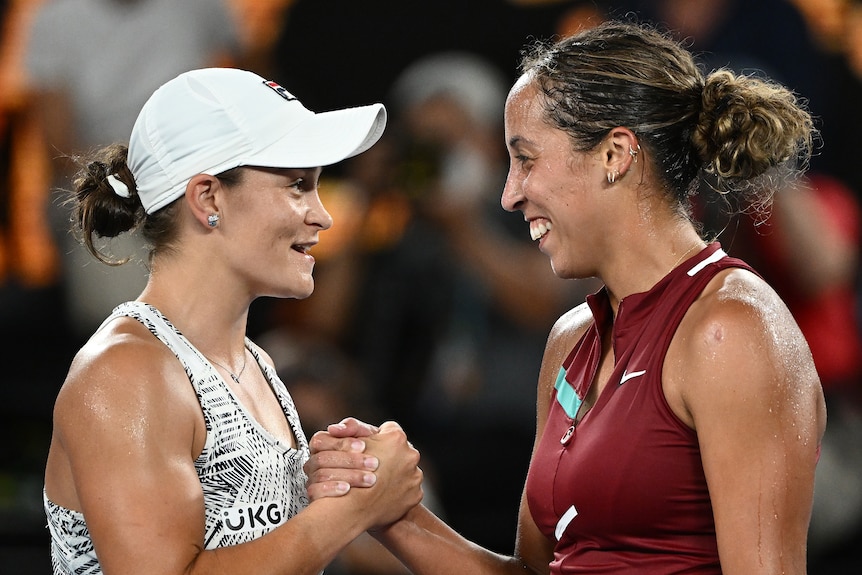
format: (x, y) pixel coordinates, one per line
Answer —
(431, 305)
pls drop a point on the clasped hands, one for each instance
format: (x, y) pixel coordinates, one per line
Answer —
(378, 464)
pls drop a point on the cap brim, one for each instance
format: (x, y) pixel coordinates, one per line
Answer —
(324, 139)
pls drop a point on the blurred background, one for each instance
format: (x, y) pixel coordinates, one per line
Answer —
(431, 304)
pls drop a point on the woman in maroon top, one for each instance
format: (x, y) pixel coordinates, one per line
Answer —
(679, 410)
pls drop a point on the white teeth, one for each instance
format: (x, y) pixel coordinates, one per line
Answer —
(539, 228)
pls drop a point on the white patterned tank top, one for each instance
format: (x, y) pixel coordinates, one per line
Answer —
(251, 481)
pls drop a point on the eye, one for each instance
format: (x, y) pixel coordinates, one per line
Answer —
(521, 159)
(307, 182)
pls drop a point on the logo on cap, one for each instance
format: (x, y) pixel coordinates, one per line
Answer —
(279, 90)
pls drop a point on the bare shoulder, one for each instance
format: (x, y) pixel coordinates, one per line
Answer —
(740, 315)
(120, 407)
(123, 373)
(572, 324)
(740, 373)
(565, 333)
(739, 341)
(568, 329)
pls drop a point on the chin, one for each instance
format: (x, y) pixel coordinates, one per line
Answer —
(301, 291)
(568, 272)
(561, 272)
(304, 294)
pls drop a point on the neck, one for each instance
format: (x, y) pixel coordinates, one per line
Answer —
(643, 263)
(212, 318)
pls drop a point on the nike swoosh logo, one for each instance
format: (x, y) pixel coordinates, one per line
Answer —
(627, 376)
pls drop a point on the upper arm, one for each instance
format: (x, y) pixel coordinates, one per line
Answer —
(753, 396)
(125, 428)
(567, 330)
(532, 547)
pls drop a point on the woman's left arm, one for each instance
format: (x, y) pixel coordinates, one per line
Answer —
(740, 373)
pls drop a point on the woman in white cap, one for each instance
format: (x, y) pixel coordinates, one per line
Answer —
(176, 448)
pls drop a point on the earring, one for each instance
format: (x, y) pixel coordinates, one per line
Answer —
(634, 153)
(612, 176)
(212, 220)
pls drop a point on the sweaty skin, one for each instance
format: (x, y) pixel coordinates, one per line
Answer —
(128, 426)
(738, 370)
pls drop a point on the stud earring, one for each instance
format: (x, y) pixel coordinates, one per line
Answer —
(634, 153)
(212, 220)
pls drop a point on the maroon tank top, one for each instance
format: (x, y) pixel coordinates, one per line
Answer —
(624, 491)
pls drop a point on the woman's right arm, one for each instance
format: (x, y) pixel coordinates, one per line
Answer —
(127, 430)
(422, 541)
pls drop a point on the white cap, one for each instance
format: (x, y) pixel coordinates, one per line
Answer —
(211, 120)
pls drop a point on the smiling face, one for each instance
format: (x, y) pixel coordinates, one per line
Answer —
(558, 189)
(271, 220)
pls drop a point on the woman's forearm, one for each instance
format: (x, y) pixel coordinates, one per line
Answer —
(428, 546)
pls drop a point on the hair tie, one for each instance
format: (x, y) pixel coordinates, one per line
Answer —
(119, 187)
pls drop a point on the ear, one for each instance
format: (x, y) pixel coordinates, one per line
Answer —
(620, 150)
(201, 198)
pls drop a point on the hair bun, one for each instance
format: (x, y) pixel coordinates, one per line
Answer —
(749, 125)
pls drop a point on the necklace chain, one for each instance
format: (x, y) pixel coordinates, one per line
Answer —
(688, 251)
(233, 376)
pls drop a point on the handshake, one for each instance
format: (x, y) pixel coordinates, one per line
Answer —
(376, 468)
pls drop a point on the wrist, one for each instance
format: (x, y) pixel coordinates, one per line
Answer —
(384, 532)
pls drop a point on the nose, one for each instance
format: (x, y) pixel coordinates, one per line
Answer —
(317, 215)
(512, 198)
